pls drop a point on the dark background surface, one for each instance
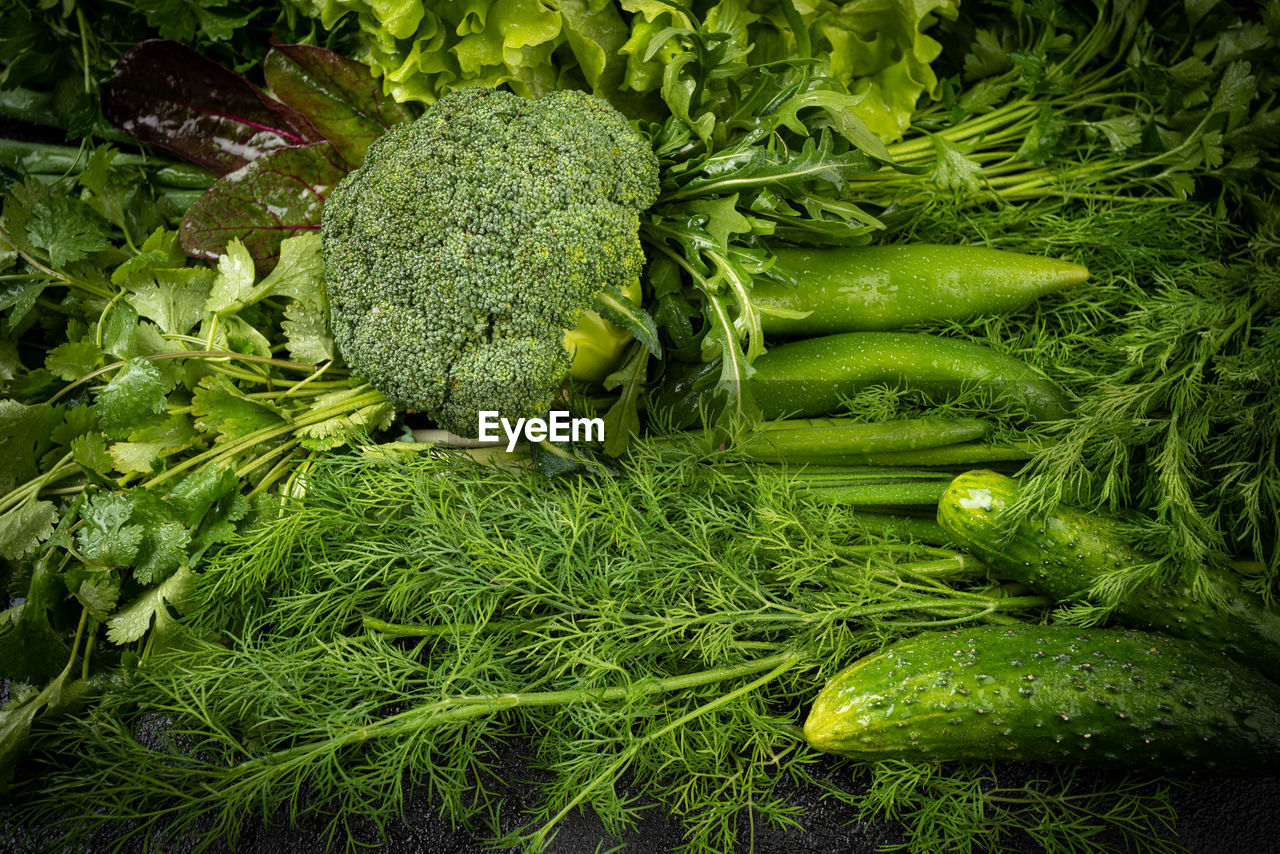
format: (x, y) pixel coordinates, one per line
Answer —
(1215, 816)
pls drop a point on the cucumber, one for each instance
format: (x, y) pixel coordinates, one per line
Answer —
(812, 376)
(839, 441)
(1107, 697)
(1063, 555)
(882, 288)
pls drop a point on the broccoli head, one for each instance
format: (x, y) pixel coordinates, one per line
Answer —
(471, 241)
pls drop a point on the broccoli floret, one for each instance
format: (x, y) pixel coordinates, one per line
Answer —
(473, 239)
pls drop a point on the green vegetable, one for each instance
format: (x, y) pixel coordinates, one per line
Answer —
(811, 376)
(853, 486)
(415, 613)
(828, 441)
(1043, 110)
(870, 288)
(472, 240)
(1063, 555)
(835, 441)
(626, 50)
(1052, 694)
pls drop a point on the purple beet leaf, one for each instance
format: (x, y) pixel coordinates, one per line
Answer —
(273, 197)
(167, 94)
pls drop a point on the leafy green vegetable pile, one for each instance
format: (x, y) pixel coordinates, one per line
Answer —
(209, 521)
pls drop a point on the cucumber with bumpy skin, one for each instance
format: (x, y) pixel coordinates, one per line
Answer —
(1062, 555)
(1105, 697)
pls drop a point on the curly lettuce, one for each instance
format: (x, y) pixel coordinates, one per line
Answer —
(877, 50)
(424, 49)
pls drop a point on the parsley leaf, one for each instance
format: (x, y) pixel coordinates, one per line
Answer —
(133, 394)
(66, 229)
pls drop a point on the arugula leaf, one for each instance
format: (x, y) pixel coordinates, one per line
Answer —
(723, 219)
(841, 110)
(614, 306)
(622, 421)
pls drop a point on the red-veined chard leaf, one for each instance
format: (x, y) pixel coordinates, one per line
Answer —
(341, 97)
(167, 94)
(272, 198)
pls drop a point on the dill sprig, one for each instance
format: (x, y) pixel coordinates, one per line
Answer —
(1063, 810)
(414, 615)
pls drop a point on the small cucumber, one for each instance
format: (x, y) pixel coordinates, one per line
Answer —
(1105, 697)
(1063, 555)
(880, 288)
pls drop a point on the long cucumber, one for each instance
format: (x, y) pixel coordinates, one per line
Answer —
(1052, 694)
(877, 288)
(1062, 556)
(859, 486)
(811, 377)
(837, 441)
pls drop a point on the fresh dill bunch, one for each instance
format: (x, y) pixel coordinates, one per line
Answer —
(398, 628)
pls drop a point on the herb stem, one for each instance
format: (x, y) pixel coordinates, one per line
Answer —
(207, 355)
(32, 488)
(461, 708)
